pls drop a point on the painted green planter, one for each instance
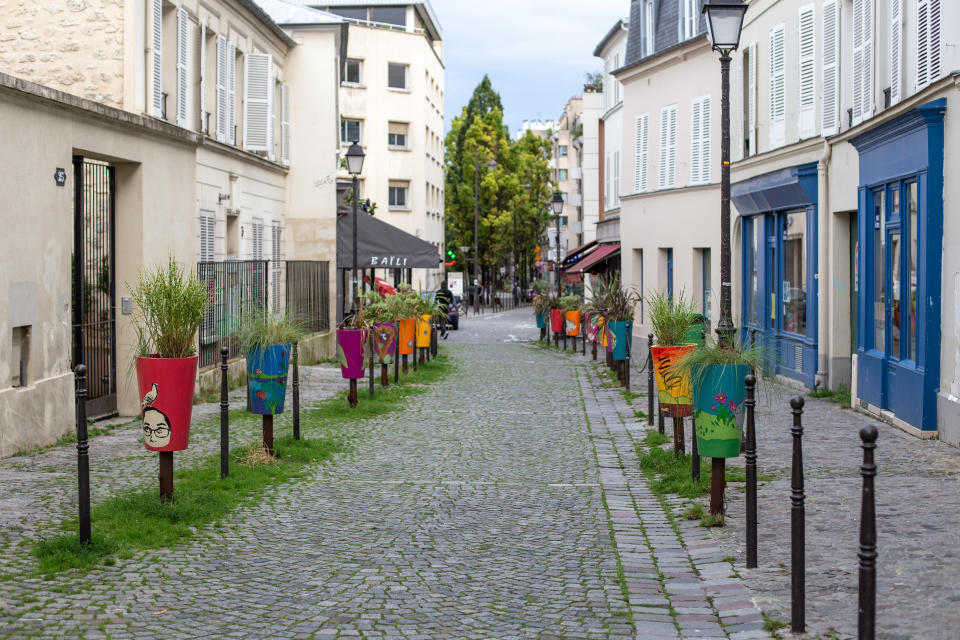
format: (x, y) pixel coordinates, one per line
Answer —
(542, 319)
(717, 402)
(622, 331)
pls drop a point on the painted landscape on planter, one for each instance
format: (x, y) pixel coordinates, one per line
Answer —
(718, 401)
(267, 378)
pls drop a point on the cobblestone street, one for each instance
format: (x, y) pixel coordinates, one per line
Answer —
(505, 502)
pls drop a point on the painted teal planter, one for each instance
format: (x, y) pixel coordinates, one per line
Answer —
(622, 331)
(267, 378)
(542, 319)
(717, 402)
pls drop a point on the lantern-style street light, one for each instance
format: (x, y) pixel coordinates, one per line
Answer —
(355, 156)
(557, 204)
(724, 22)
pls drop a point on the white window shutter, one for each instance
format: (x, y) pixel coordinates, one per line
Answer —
(616, 178)
(256, 238)
(664, 139)
(222, 92)
(928, 42)
(867, 108)
(705, 140)
(695, 126)
(156, 80)
(807, 71)
(777, 88)
(640, 161)
(934, 41)
(830, 110)
(258, 91)
(231, 93)
(203, 77)
(672, 147)
(896, 51)
(752, 97)
(183, 23)
(285, 123)
(207, 230)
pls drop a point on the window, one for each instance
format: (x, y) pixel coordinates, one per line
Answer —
(256, 239)
(912, 257)
(830, 115)
(640, 159)
(183, 25)
(749, 116)
(349, 131)
(285, 123)
(398, 195)
(895, 50)
(563, 174)
(156, 60)
(352, 75)
(668, 147)
(928, 42)
(862, 60)
(397, 76)
(259, 92)
(564, 195)
(706, 284)
(563, 150)
(795, 272)
(649, 28)
(688, 19)
(700, 139)
(638, 276)
(616, 178)
(352, 14)
(390, 15)
(807, 72)
(753, 229)
(226, 90)
(777, 88)
(207, 230)
(397, 135)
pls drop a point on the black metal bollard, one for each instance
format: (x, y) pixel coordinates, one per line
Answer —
(867, 610)
(751, 456)
(83, 458)
(626, 365)
(798, 578)
(296, 391)
(650, 380)
(396, 354)
(370, 363)
(225, 413)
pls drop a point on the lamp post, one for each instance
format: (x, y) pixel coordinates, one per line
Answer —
(476, 229)
(724, 22)
(557, 204)
(355, 158)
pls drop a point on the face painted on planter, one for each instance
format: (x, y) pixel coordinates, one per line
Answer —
(156, 428)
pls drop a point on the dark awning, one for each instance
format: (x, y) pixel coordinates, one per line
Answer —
(601, 253)
(382, 246)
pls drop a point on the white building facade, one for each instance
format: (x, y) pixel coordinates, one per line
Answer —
(612, 50)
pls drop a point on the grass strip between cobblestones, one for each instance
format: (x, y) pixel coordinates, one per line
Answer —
(137, 521)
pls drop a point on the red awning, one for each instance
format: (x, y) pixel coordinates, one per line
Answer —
(599, 254)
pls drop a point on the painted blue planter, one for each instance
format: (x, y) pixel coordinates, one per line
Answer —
(622, 331)
(542, 319)
(717, 402)
(267, 378)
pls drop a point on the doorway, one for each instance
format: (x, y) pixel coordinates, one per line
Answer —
(94, 342)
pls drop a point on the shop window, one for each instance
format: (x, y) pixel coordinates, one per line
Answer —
(795, 272)
(879, 281)
(20, 357)
(754, 237)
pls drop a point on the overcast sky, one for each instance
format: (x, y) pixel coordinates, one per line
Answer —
(536, 52)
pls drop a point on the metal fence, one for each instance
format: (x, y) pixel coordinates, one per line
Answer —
(308, 293)
(239, 287)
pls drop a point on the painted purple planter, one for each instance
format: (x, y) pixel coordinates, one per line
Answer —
(350, 351)
(385, 341)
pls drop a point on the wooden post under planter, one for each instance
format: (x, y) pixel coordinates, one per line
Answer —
(406, 367)
(352, 396)
(718, 483)
(268, 432)
(166, 476)
(679, 445)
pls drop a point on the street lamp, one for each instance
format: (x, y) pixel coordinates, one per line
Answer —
(724, 22)
(557, 204)
(492, 164)
(355, 156)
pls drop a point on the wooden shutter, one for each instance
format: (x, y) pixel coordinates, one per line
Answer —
(203, 77)
(696, 120)
(807, 71)
(642, 146)
(285, 123)
(156, 62)
(182, 55)
(896, 51)
(222, 93)
(258, 102)
(928, 42)
(830, 108)
(231, 93)
(777, 136)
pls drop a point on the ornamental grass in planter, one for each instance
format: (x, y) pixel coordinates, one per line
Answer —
(169, 304)
(671, 320)
(267, 340)
(571, 314)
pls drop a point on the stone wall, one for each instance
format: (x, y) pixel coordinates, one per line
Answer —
(75, 46)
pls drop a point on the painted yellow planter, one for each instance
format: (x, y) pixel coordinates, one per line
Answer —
(674, 390)
(423, 331)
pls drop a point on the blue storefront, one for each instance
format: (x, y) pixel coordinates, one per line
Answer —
(900, 206)
(778, 213)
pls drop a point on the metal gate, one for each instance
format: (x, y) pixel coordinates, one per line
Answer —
(94, 291)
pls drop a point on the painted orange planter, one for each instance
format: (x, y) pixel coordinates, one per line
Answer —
(408, 335)
(573, 322)
(674, 389)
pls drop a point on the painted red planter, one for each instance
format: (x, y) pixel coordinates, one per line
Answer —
(350, 351)
(166, 401)
(556, 320)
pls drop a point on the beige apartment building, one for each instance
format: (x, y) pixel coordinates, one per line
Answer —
(391, 101)
(176, 140)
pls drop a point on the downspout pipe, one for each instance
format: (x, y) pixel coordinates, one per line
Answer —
(824, 251)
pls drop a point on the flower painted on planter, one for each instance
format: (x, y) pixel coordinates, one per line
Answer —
(713, 407)
(261, 394)
(259, 372)
(720, 397)
(733, 406)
